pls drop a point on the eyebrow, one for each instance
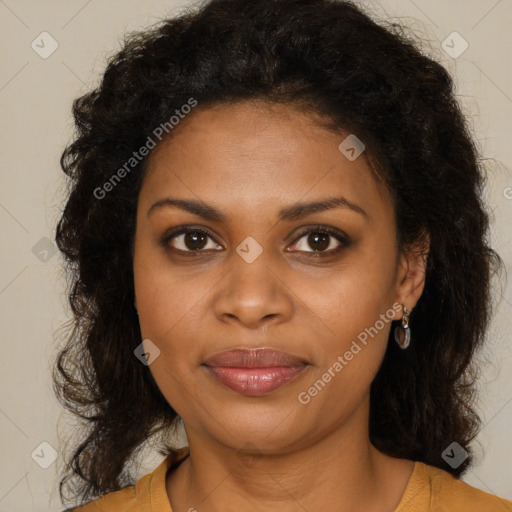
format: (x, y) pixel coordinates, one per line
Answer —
(290, 213)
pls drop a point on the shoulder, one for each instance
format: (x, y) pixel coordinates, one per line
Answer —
(149, 491)
(122, 500)
(452, 495)
(127, 499)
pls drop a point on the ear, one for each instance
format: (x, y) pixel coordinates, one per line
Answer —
(411, 274)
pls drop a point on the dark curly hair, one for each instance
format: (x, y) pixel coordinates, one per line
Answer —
(326, 57)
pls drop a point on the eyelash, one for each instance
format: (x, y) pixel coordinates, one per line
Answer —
(338, 235)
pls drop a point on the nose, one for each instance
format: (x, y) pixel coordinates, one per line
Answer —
(253, 294)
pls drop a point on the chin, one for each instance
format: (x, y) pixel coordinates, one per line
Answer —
(265, 428)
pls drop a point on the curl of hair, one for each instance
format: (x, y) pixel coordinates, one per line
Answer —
(329, 58)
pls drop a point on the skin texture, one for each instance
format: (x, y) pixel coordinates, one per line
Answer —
(271, 452)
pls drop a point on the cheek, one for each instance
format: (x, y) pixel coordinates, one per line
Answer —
(356, 306)
(353, 310)
(355, 297)
(358, 334)
(166, 302)
(350, 355)
(168, 316)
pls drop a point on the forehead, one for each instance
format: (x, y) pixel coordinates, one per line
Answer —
(256, 154)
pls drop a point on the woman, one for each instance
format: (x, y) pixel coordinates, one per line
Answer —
(276, 234)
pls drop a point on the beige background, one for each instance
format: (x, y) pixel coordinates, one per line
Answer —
(35, 104)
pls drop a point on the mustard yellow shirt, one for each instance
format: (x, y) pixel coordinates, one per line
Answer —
(429, 490)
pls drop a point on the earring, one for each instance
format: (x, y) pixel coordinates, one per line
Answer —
(403, 332)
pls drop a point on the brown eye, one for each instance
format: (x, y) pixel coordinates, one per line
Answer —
(321, 241)
(194, 240)
(190, 240)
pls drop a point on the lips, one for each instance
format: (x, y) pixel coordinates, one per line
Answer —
(254, 358)
(254, 372)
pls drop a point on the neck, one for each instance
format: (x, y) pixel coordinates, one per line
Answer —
(339, 471)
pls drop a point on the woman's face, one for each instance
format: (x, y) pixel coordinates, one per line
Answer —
(254, 271)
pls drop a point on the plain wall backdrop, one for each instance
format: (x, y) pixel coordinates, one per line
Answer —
(35, 105)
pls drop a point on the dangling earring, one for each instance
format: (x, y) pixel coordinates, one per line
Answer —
(403, 332)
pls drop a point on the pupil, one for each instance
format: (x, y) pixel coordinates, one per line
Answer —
(320, 240)
(194, 237)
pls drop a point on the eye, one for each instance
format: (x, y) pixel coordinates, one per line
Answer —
(323, 240)
(189, 240)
